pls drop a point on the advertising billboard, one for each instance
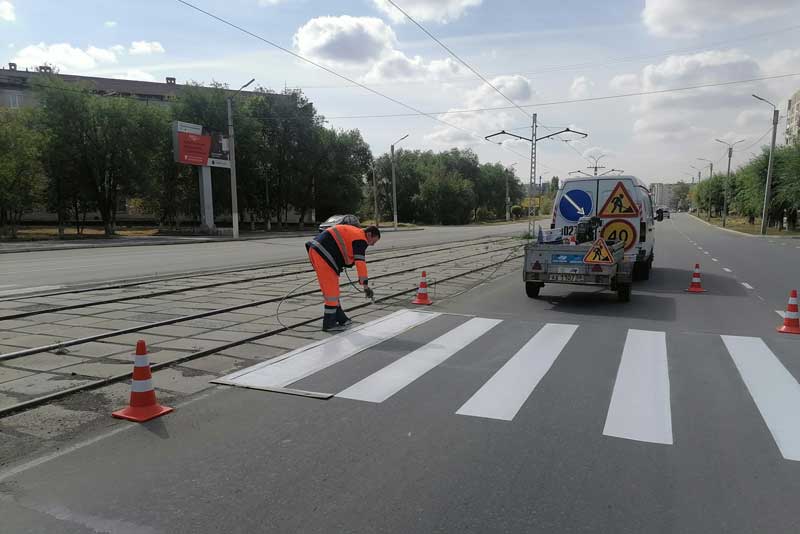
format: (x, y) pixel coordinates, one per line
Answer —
(195, 145)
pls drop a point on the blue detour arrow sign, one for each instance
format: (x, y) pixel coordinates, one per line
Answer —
(575, 204)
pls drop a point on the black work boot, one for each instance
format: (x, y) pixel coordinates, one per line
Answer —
(341, 318)
(329, 323)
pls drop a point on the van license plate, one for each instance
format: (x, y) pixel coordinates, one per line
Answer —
(566, 278)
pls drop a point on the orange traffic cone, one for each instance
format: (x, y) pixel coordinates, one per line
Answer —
(143, 405)
(422, 292)
(791, 319)
(696, 286)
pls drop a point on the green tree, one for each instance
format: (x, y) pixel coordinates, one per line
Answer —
(21, 173)
(446, 198)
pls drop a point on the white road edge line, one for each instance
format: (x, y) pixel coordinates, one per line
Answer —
(774, 390)
(640, 403)
(748, 286)
(384, 383)
(504, 394)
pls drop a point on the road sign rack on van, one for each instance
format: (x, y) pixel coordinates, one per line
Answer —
(586, 263)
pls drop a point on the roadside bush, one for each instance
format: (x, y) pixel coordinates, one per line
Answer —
(516, 211)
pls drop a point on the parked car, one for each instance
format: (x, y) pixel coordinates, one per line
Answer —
(333, 220)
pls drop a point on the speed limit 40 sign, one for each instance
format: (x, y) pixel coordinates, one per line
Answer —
(619, 230)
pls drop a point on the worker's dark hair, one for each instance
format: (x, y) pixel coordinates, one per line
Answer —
(372, 230)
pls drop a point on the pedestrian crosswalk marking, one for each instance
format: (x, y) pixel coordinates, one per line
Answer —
(640, 403)
(383, 384)
(505, 393)
(298, 364)
(773, 389)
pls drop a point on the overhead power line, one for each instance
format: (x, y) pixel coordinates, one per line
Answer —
(572, 101)
(334, 73)
(588, 64)
(457, 57)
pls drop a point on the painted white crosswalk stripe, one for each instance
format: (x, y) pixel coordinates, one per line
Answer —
(747, 286)
(502, 396)
(640, 403)
(382, 384)
(781, 313)
(774, 390)
(727, 270)
(305, 361)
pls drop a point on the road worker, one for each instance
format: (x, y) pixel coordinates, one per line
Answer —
(330, 252)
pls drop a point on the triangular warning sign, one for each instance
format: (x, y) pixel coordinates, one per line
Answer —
(599, 254)
(619, 204)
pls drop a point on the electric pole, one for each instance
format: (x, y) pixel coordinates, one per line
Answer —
(710, 175)
(231, 146)
(375, 194)
(596, 160)
(727, 179)
(533, 140)
(394, 182)
(768, 185)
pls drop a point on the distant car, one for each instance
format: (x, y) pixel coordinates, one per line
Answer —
(333, 220)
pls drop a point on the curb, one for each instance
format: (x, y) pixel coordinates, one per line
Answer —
(759, 236)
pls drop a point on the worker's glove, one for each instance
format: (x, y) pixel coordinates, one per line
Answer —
(369, 292)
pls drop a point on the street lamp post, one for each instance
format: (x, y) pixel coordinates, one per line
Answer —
(394, 182)
(699, 178)
(234, 194)
(710, 175)
(727, 179)
(768, 185)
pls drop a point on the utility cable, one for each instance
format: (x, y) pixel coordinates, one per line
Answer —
(328, 70)
(457, 57)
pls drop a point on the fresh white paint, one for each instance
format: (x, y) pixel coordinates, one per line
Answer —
(774, 390)
(382, 384)
(502, 396)
(305, 361)
(746, 285)
(640, 403)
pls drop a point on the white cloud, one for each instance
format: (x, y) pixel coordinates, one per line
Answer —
(754, 118)
(625, 83)
(345, 39)
(134, 74)
(668, 129)
(264, 3)
(682, 18)
(110, 24)
(396, 66)
(7, 11)
(516, 87)
(64, 56)
(596, 152)
(145, 47)
(118, 49)
(102, 55)
(442, 11)
(580, 87)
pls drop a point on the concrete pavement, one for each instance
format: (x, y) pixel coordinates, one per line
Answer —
(575, 434)
(54, 269)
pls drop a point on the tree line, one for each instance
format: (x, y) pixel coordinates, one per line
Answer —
(77, 153)
(746, 189)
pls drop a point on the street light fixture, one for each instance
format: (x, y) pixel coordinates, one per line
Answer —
(596, 159)
(768, 185)
(234, 198)
(394, 181)
(727, 179)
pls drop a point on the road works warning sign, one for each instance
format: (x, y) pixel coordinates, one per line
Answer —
(619, 204)
(599, 254)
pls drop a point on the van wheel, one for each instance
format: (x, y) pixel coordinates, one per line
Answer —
(638, 271)
(532, 289)
(624, 292)
(645, 271)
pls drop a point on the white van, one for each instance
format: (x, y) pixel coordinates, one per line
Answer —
(624, 205)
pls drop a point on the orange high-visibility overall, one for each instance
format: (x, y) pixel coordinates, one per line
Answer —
(331, 251)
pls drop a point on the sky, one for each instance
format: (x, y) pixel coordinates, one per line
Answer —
(549, 58)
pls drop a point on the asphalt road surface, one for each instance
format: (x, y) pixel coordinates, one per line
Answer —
(48, 270)
(674, 413)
